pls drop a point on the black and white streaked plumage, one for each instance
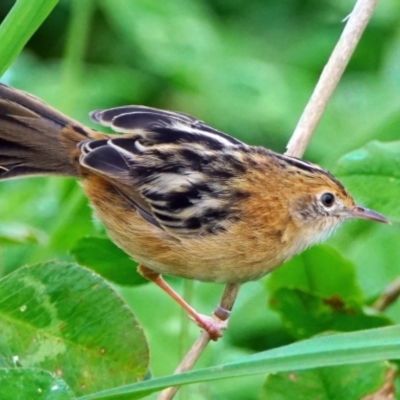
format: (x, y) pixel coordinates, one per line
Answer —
(174, 169)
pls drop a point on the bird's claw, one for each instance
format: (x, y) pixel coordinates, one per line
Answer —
(213, 326)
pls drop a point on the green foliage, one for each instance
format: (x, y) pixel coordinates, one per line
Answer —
(67, 320)
(345, 382)
(377, 166)
(302, 291)
(309, 270)
(20, 234)
(330, 350)
(19, 26)
(321, 314)
(104, 257)
(33, 384)
(248, 68)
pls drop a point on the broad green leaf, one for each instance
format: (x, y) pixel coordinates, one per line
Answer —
(65, 319)
(372, 175)
(32, 384)
(333, 383)
(21, 23)
(330, 350)
(320, 270)
(108, 260)
(306, 315)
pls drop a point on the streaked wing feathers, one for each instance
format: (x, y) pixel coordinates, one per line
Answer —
(176, 175)
(160, 125)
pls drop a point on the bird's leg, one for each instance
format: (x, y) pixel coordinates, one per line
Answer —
(213, 326)
(223, 311)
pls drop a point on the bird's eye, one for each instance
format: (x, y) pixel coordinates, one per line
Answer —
(328, 199)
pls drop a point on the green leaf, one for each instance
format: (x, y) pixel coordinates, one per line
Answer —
(18, 27)
(306, 315)
(338, 349)
(65, 319)
(108, 260)
(309, 271)
(334, 383)
(32, 384)
(372, 175)
(317, 291)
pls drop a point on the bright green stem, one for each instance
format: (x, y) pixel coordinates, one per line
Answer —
(20, 24)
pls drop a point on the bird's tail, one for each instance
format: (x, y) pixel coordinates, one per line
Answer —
(35, 139)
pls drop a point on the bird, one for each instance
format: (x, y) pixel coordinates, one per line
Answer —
(177, 195)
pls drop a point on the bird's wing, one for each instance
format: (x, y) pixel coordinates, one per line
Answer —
(175, 170)
(149, 122)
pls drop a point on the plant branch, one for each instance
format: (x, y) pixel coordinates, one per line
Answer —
(389, 296)
(330, 76)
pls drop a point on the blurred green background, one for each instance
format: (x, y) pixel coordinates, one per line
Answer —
(247, 68)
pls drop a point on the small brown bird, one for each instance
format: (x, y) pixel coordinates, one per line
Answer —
(179, 196)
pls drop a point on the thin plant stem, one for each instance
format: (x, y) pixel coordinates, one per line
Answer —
(388, 297)
(330, 77)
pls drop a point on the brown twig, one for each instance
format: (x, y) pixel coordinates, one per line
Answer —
(297, 145)
(330, 76)
(187, 363)
(222, 312)
(389, 296)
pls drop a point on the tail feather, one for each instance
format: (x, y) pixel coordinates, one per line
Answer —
(35, 139)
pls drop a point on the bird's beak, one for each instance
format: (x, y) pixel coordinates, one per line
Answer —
(365, 213)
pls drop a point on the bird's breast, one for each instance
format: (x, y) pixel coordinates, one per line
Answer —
(251, 246)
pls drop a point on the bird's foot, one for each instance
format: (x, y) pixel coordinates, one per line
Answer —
(212, 325)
